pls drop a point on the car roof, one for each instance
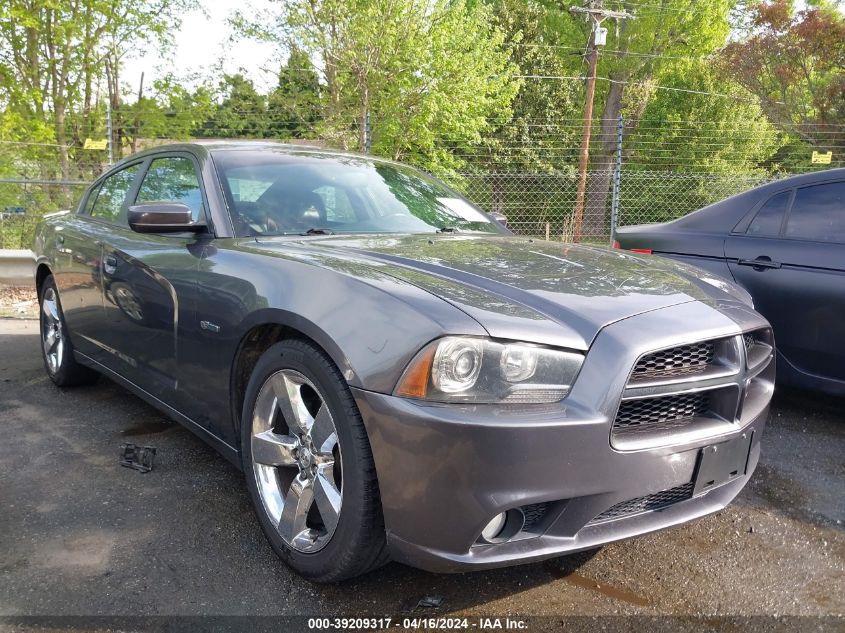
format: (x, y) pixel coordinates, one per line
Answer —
(731, 210)
(212, 146)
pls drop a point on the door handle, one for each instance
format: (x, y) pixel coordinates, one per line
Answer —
(760, 263)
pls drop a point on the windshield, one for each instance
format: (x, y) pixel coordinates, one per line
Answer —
(274, 193)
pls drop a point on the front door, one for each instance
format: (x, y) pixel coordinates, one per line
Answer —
(149, 285)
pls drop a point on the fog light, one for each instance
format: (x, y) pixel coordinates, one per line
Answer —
(494, 528)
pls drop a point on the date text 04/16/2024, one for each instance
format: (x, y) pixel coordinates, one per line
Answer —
(416, 623)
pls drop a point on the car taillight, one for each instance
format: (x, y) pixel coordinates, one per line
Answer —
(646, 251)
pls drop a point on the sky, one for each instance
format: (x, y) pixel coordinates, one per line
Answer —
(201, 42)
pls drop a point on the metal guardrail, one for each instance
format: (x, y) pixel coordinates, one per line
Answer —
(17, 267)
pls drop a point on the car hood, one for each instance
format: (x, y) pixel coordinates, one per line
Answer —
(523, 289)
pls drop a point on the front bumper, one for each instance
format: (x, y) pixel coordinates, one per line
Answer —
(444, 470)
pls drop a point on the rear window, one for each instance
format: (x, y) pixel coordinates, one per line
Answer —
(818, 213)
(769, 218)
(108, 205)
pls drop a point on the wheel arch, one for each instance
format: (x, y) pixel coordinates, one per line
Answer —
(265, 328)
(42, 271)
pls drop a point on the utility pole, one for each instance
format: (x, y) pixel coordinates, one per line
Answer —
(368, 133)
(137, 129)
(109, 131)
(617, 179)
(594, 13)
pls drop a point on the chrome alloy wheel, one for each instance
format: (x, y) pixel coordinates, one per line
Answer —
(296, 460)
(52, 335)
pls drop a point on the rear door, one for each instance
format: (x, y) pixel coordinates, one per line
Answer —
(791, 258)
(149, 281)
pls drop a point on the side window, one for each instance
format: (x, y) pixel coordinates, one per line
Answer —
(89, 201)
(818, 213)
(112, 194)
(338, 206)
(769, 218)
(172, 179)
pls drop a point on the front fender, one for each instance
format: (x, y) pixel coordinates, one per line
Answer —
(370, 323)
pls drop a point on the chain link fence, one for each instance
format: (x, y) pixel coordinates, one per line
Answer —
(535, 204)
(23, 202)
(539, 204)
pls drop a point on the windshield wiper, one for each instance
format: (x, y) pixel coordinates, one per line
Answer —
(316, 231)
(447, 229)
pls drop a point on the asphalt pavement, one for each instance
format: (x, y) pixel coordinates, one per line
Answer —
(80, 535)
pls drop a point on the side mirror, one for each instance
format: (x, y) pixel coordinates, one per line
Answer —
(163, 217)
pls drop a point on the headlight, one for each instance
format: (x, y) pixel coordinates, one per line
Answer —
(465, 369)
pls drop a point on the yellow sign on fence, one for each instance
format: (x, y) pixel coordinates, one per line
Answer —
(103, 143)
(822, 159)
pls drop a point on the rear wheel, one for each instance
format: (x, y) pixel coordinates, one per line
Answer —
(309, 467)
(56, 348)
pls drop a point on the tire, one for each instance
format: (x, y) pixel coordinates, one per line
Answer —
(300, 422)
(56, 348)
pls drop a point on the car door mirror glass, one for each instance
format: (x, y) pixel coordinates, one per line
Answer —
(163, 217)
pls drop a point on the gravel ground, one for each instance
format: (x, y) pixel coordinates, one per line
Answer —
(18, 302)
(80, 535)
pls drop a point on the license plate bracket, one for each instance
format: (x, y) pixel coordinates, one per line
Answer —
(722, 463)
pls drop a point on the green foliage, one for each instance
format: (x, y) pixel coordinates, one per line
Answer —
(424, 71)
(53, 56)
(531, 137)
(171, 111)
(294, 106)
(700, 130)
(241, 113)
(794, 61)
(487, 93)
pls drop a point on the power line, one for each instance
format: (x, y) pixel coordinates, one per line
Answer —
(656, 87)
(613, 51)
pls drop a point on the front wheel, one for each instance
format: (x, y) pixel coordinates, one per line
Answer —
(308, 465)
(56, 348)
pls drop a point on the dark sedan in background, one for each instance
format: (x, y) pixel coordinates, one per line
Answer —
(397, 374)
(784, 242)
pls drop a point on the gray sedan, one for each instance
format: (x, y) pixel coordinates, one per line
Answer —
(396, 373)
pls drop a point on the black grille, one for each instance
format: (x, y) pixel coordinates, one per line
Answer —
(654, 501)
(677, 361)
(534, 514)
(661, 411)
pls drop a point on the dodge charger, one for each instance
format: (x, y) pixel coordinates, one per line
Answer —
(398, 375)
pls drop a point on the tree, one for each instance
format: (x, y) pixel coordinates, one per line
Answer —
(794, 61)
(241, 113)
(171, 111)
(53, 56)
(520, 152)
(423, 71)
(294, 106)
(531, 138)
(728, 136)
(636, 52)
